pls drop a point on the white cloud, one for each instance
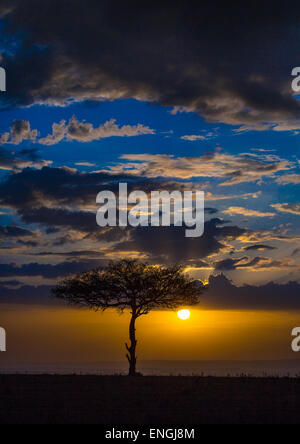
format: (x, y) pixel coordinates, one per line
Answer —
(86, 132)
(213, 197)
(19, 131)
(289, 179)
(232, 169)
(292, 208)
(247, 212)
(193, 138)
(86, 164)
(293, 125)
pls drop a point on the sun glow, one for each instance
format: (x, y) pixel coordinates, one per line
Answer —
(184, 314)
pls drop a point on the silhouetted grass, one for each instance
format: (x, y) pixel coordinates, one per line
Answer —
(47, 399)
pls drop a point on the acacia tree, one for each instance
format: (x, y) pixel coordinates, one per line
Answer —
(134, 285)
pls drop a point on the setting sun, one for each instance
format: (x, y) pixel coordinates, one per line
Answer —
(184, 314)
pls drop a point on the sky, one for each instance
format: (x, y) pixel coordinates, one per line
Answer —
(163, 98)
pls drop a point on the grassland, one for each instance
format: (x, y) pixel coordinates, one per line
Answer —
(46, 399)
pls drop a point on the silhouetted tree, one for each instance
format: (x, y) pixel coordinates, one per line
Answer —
(134, 285)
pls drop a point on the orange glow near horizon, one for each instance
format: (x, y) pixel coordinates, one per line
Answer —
(65, 335)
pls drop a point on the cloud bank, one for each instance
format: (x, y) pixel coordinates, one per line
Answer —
(225, 63)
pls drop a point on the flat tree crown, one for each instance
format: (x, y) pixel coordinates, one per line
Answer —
(131, 284)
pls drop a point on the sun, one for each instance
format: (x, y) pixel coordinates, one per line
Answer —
(184, 314)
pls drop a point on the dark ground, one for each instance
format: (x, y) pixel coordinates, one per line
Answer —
(148, 400)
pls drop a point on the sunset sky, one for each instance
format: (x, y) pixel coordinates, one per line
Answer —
(160, 98)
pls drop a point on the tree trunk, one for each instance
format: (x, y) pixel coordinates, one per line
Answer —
(131, 355)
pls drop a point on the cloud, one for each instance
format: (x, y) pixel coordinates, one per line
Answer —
(63, 200)
(66, 189)
(257, 263)
(193, 138)
(259, 247)
(5, 9)
(214, 197)
(54, 187)
(83, 221)
(232, 211)
(86, 132)
(19, 131)
(223, 294)
(234, 264)
(12, 283)
(232, 169)
(24, 159)
(211, 210)
(186, 58)
(86, 164)
(60, 202)
(27, 294)
(48, 271)
(292, 208)
(168, 244)
(288, 125)
(289, 179)
(14, 232)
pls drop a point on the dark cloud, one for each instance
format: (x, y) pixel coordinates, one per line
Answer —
(211, 211)
(10, 283)
(259, 248)
(62, 189)
(169, 244)
(233, 264)
(19, 131)
(258, 263)
(18, 161)
(28, 244)
(45, 197)
(161, 244)
(296, 252)
(73, 254)
(224, 62)
(14, 232)
(79, 220)
(62, 186)
(26, 294)
(48, 271)
(31, 153)
(223, 294)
